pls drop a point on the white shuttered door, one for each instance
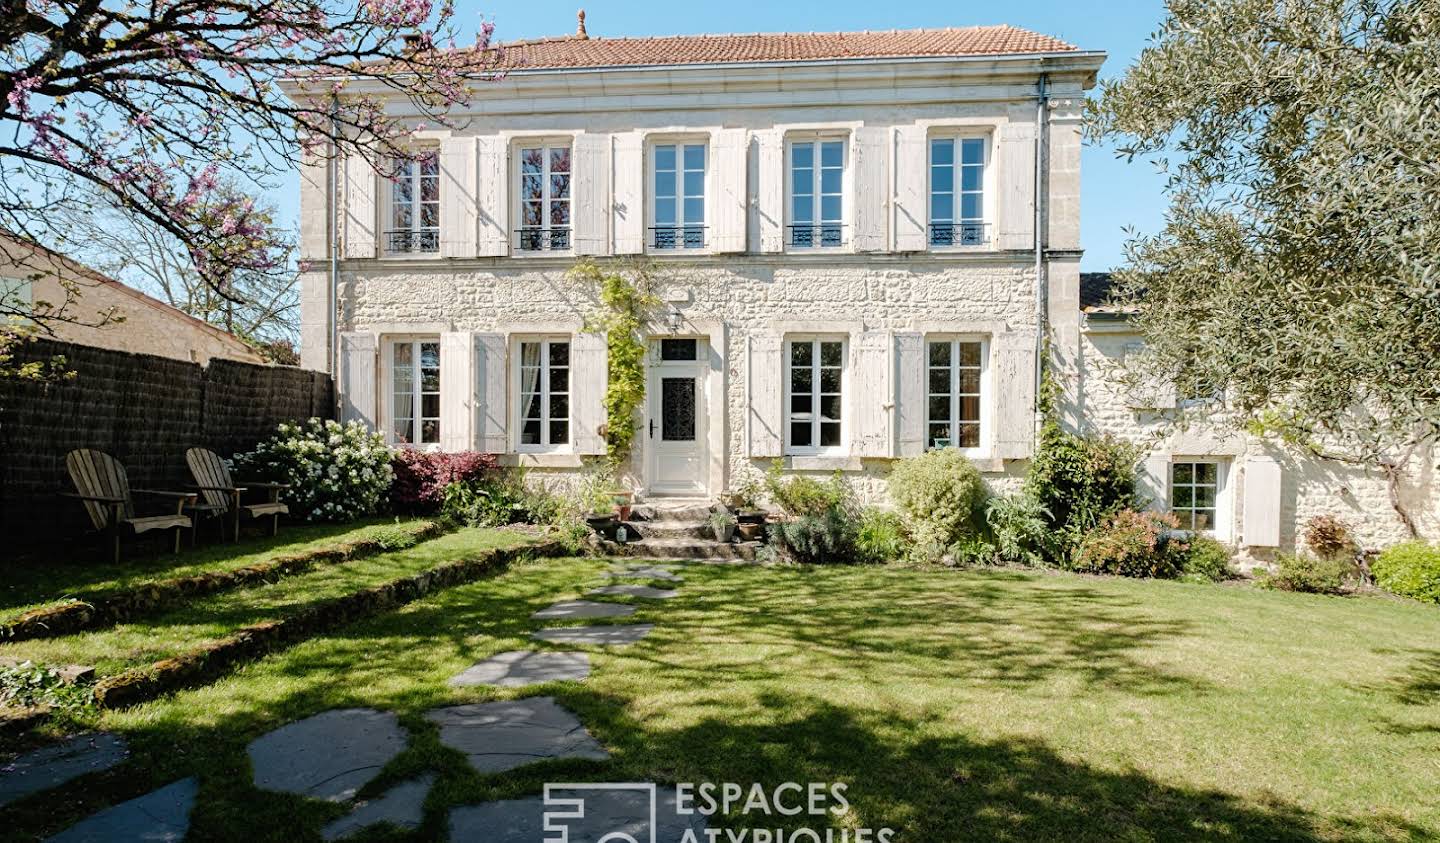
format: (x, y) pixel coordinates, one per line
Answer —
(910, 369)
(457, 393)
(1013, 358)
(1263, 498)
(766, 415)
(357, 377)
(590, 375)
(872, 394)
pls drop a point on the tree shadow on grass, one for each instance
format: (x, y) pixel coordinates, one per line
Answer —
(1419, 686)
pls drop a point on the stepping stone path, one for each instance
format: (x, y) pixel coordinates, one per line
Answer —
(620, 635)
(501, 736)
(645, 572)
(519, 668)
(648, 592)
(602, 814)
(52, 766)
(159, 816)
(583, 609)
(402, 806)
(329, 756)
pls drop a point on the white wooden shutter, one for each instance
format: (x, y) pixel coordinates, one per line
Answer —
(590, 374)
(358, 360)
(490, 393)
(869, 156)
(457, 391)
(730, 205)
(1145, 389)
(494, 191)
(1012, 358)
(590, 208)
(770, 191)
(1263, 497)
(628, 217)
(1015, 156)
(459, 200)
(766, 414)
(912, 206)
(910, 393)
(1152, 484)
(360, 216)
(871, 395)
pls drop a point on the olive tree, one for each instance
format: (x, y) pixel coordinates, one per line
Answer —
(1298, 266)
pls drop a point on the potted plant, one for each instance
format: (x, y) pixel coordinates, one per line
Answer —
(599, 503)
(744, 501)
(623, 499)
(723, 523)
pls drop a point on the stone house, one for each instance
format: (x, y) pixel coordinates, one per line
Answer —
(863, 238)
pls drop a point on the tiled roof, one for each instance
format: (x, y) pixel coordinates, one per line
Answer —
(576, 51)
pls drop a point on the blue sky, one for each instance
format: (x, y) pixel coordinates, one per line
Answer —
(1116, 194)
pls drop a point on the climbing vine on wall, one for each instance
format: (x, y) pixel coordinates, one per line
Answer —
(627, 301)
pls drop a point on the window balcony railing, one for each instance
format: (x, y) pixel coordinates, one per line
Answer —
(823, 235)
(412, 241)
(543, 239)
(944, 234)
(677, 237)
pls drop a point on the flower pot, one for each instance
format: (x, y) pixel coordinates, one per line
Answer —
(603, 525)
(724, 532)
(623, 511)
(751, 532)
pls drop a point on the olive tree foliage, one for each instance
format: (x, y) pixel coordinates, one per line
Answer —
(1298, 267)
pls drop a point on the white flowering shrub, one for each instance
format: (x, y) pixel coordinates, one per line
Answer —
(337, 472)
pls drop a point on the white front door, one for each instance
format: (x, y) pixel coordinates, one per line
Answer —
(676, 417)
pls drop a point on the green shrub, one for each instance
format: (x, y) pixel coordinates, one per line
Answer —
(336, 472)
(1134, 544)
(1020, 527)
(941, 496)
(827, 538)
(28, 684)
(881, 537)
(1299, 572)
(492, 501)
(1411, 569)
(395, 538)
(1080, 481)
(1328, 537)
(805, 496)
(1207, 561)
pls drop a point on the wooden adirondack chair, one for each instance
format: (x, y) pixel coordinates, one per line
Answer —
(212, 479)
(100, 482)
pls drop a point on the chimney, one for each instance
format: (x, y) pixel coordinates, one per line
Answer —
(580, 26)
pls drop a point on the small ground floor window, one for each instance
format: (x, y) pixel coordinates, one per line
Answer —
(1195, 494)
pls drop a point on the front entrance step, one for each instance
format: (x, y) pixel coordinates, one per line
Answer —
(689, 510)
(683, 548)
(671, 529)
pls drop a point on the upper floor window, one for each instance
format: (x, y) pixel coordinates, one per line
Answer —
(545, 198)
(544, 386)
(414, 206)
(814, 390)
(678, 185)
(415, 392)
(954, 377)
(817, 200)
(957, 192)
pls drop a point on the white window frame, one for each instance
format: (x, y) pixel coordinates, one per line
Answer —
(517, 203)
(517, 415)
(419, 236)
(653, 196)
(987, 392)
(417, 417)
(814, 140)
(815, 448)
(1224, 513)
(987, 188)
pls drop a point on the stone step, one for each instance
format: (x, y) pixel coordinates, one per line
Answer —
(670, 529)
(688, 511)
(698, 549)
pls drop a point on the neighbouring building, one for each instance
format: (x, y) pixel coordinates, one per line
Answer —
(864, 236)
(102, 312)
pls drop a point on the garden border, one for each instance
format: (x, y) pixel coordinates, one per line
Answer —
(112, 607)
(208, 662)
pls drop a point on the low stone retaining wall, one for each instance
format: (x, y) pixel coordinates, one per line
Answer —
(126, 604)
(213, 659)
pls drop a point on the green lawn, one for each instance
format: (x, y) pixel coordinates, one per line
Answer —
(984, 705)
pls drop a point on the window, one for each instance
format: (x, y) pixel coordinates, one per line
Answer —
(15, 295)
(957, 192)
(678, 185)
(813, 400)
(544, 394)
(415, 383)
(817, 206)
(414, 206)
(1195, 495)
(545, 198)
(954, 377)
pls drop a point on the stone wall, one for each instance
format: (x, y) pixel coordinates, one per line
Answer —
(142, 409)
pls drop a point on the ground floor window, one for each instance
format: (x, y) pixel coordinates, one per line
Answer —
(954, 370)
(1195, 494)
(814, 383)
(544, 384)
(415, 392)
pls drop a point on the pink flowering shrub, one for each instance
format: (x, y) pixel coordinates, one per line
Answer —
(421, 477)
(1134, 544)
